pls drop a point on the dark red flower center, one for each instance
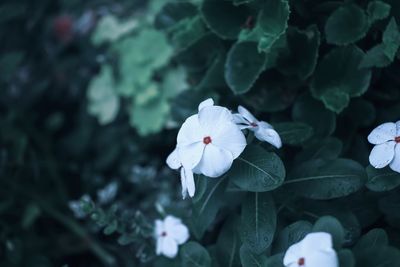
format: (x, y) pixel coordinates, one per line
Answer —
(253, 124)
(397, 139)
(207, 140)
(301, 262)
(164, 234)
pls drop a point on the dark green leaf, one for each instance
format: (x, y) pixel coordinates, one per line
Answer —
(380, 180)
(243, 66)
(258, 222)
(375, 57)
(331, 225)
(228, 244)
(223, 18)
(374, 239)
(206, 207)
(378, 10)
(293, 133)
(249, 259)
(391, 39)
(346, 258)
(300, 57)
(257, 170)
(319, 179)
(338, 77)
(304, 110)
(194, 255)
(328, 148)
(346, 25)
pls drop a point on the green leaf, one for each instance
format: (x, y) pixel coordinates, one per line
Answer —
(320, 179)
(331, 225)
(109, 29)
(291, 234)
(258, 222)
(206, 207)
(224, 18)
(276, 260)
(257, 170)
(150, 116)
(293, 133)
(194, 255)
(328, 148)
(346, 25)
(103, 101)
(111, 228)
(346, 258)
(300, 57)
(381, 180)
(378, 10)
(338, 77)
(228, 244)
(187, 32)
(375, 57)
(243, 66)
(374, 239)
(304, 110)
(9, 63)
(249, 259)
(381, 256)
(172, 13)
(391, 39)
(272, 22)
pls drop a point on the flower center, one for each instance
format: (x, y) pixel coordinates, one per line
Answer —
(253, 124)
(207, 140)
(301, 262)
(164, 234)
(397, 139)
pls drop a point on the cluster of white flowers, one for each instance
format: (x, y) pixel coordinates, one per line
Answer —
(210, 140)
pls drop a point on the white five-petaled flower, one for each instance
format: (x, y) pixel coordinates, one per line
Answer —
(207, 144)
(169, 234)
(315, 250)
(386, 151)
(263, 131)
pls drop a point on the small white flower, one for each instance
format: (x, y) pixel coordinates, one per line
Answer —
(207, 144)
(108, 193)
(315, 250)
(263, 131)
(386, 151)
(170, 233)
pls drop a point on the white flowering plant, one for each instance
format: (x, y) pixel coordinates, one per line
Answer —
(205, 133)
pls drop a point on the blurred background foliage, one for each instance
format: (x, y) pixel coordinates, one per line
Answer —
(92, 94)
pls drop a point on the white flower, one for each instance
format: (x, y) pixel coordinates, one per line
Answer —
(207, 144)
(386, 151)
(263, 131)
(170, 233)
(315, 250)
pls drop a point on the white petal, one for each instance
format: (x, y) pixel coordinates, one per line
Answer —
(159, 243)
(265, 125)
(324, 241)
(170, 221)
(395, 164)
(240, 121)
(183, 183)
(381, 155)
(213, 118)
(206, 103)
(230, 138)
(382, 133)
(173, 160)
(247, 115)
(169, 247)
(268, 135)
(188, 185)
(190, 155)
(398, 128)
(190, 132)
(179, 233)
(292, 255)
(215, 161)
(322, 258)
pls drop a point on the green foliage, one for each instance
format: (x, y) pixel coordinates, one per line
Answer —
(93, 94)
